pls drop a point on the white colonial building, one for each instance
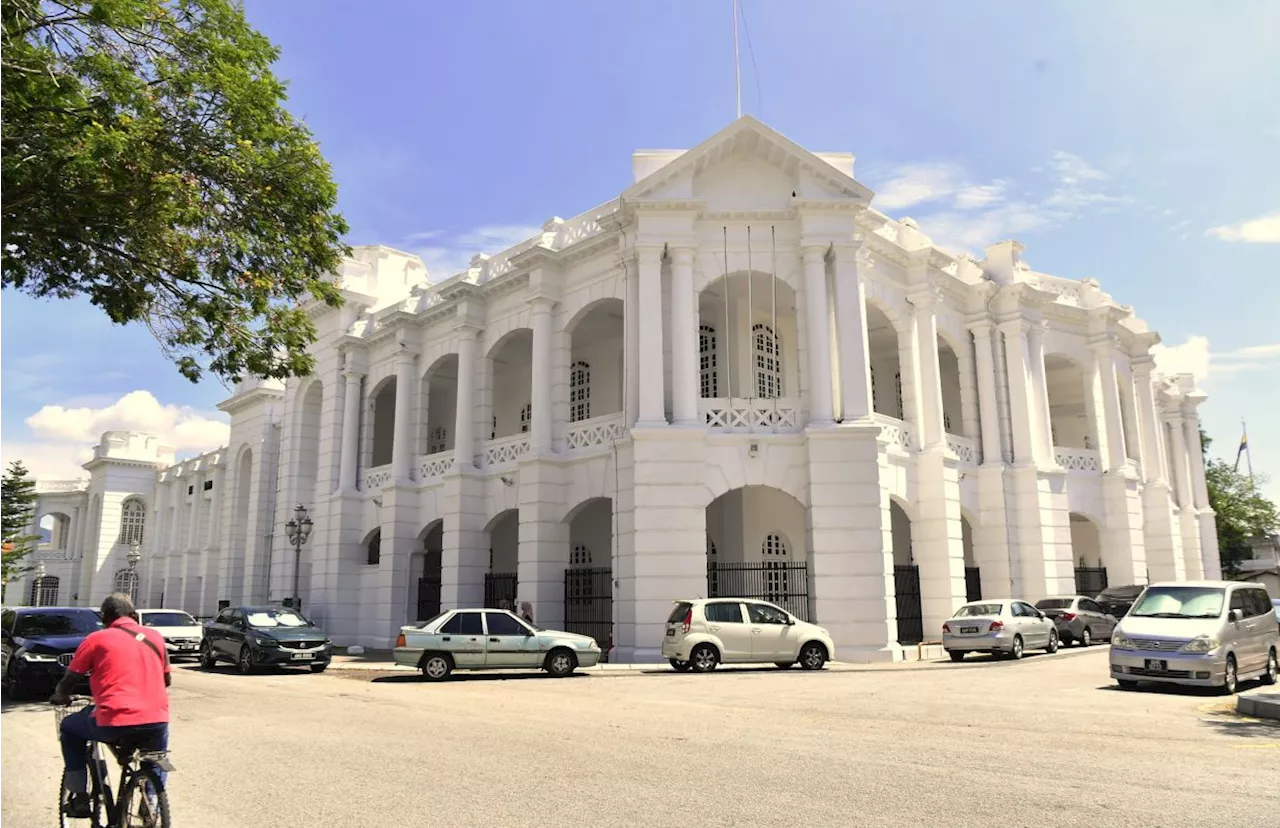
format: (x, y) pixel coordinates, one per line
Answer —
(737, 377)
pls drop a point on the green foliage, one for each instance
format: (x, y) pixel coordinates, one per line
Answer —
(148, 165)
(1241, 511)
(17, 507)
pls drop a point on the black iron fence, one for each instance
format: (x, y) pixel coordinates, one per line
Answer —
(1090, 580)
(429, 597)
(783, 583)
(500, 587)
(588, 602)
(906, 588)
(972, 583)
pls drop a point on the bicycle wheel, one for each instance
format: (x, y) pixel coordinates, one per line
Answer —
(98, 818)
(144, 802)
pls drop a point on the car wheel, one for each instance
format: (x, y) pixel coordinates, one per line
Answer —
(677, 664)
(436, 667)
(956, 655)
(1053, 643)
(1086, 638)
(207, 659)
(1272, 675)
(704, 658)
(245, 662)
(813, 656)
(560, 663)
(1127, 684)
(784, 665)
(1015, 652)
(1230, 677)
(318, 668)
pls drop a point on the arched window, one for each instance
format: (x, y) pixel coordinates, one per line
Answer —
(436, 440)
(768, 362)
(708, 375)
(133, 519)
(579, 392)
(127, 582)
(373, 551)
(775, 554)
(526, 415)
(44, 591)
(580, 557)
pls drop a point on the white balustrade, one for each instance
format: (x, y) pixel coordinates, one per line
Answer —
(435, 466)
(55, 486)
(964, 448)
(597, 431)
(377, 477)
(506, 449)
(742, 415)
(1077, 459)
(895, 432)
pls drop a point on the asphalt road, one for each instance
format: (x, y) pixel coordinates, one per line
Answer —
(1043, 742)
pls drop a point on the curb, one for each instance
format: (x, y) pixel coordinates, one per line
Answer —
(1260, 706)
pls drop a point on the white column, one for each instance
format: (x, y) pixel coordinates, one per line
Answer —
(464, 424)
(350, 433)
(652, 397)
(851, 335)
(401, 435)
(1179, 472)
(193, 530)
(815, 298)
(1022, 404)
(987, 405)
(1195, 454)
(1040, 423)
(540, 381)
(631, 349)
(1111, 423)
(1152, 454)
(684, 339)
(929, 382)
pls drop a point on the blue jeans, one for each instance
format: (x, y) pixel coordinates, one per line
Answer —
(79, 729)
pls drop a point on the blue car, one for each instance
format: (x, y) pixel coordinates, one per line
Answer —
(38, 643)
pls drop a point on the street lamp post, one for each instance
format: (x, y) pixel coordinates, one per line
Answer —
(132, 557)
(299, 530)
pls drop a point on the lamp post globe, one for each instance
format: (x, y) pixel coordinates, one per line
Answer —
(298, 529)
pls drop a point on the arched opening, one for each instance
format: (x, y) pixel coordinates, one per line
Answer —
(755, 548)
(906, 577)
(427, 568)
(55, 531)
(440, 388)
(501, 581)
(310, 406)
(511, 362)
(972, 573)
(886, 366)
(596, 341)
(1086, 551)
(588, 580)
(133, 521)
(373, 548)
(44, 591)
(382, 422)
(952, 400)
(126, 581)
(1070, 404)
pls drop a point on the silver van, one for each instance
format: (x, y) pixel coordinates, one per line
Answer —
(1201, 633)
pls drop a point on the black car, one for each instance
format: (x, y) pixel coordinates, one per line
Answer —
(1118, 600)
(253, 637)
(38, 645)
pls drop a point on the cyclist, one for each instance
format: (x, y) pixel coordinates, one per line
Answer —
(128, 672)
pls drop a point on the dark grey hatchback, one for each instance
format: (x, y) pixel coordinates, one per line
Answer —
(252, 637)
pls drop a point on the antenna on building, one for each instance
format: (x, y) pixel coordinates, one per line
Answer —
(737, 66)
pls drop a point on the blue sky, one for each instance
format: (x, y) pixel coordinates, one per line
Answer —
(1136, 143)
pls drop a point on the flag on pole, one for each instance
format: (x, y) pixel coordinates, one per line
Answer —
(1244, 445)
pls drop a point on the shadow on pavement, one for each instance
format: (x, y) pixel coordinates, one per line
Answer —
(418, 678)
(231, 670)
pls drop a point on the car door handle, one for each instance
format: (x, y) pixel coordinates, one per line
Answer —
(493, 640)
(756, 630)
(714, 629)
(446, 638)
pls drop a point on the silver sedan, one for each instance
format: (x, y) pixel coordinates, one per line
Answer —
(999, 626)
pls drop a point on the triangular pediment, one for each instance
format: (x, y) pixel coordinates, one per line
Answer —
(747, 165)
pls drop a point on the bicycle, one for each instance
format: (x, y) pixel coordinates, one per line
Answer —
(138, 780)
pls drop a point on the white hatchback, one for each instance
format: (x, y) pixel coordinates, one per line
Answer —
(705, 632)
(182, 633)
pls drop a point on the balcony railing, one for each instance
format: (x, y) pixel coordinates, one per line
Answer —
(895, 432)
(964, 448)
(597, 431)
(1077, 459)
(377, 477)
(740, 415)
(434, 466)
(506, 450)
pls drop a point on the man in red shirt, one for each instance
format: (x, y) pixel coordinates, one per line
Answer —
(128, 672)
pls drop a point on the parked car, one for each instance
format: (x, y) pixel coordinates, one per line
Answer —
(1079, 620)
(182, 633)
(1275, 605)
(706, 632)
(998, 626)
(38, 643)
(490, 639)
(253, 637)
(1117, 600)
(1200, 633)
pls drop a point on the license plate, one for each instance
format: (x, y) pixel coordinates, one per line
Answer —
(186, 646)
(1156, 665)
(671, 631)
(302, 656)
(968, 629)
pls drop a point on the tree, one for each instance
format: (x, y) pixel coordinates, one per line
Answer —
(17, 507)
(1241, 512)
(149, 166)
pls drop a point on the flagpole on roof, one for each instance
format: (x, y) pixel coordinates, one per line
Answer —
(737, 66)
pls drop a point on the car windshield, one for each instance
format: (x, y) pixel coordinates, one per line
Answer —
(58, 623)
(970, 610)
(168, 619)
(1053, 603)
(1180, 602)
(275, 618)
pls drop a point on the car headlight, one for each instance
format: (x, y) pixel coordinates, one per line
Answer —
(265, 642)
(1201, 644)
(27, 656)
(1119, 639)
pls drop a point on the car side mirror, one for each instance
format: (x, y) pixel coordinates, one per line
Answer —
(791, 622)
(1237, 615)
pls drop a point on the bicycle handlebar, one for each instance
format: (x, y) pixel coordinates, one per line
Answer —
(74, 700)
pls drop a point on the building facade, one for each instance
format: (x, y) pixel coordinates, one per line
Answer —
(737, 377)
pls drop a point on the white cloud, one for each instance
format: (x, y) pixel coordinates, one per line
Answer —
(917, 184)
(63, 437)
(1191, 357)
(976, 196)
(1261, 230)
(1072, 169)
(1196, 357)
(450, 253)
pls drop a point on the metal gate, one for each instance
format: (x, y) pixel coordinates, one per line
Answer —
(588, 602)
(428, 597)
(783, 583)
(499, 587)
(1090, 580)
(906, 588)
(972, 583)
